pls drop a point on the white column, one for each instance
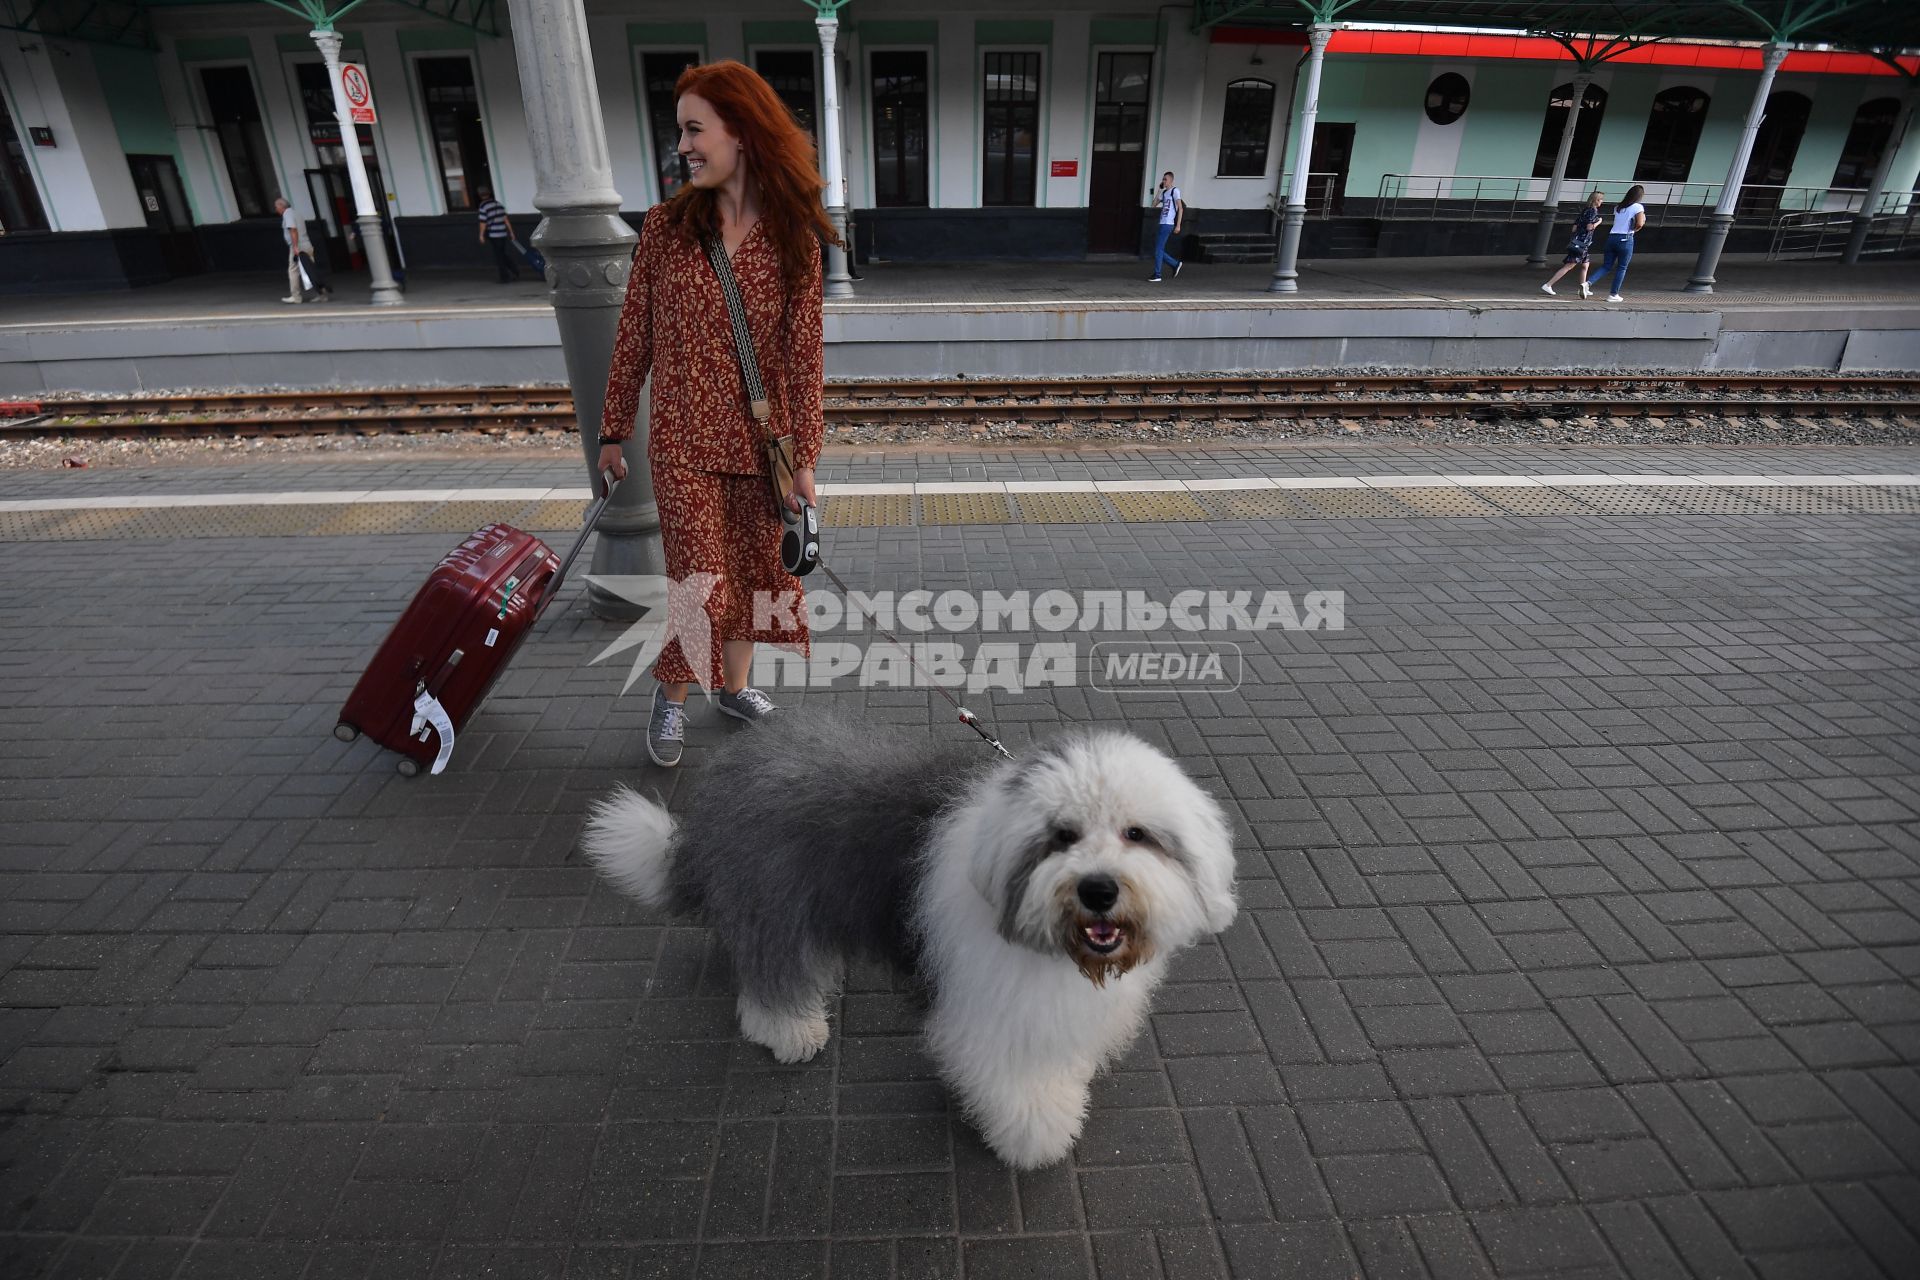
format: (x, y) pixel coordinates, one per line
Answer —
(589, 251)
(1863, 220)
(1550, 207)
(832, 146)
(373, 237)
(1709, 260)
(1286, 276)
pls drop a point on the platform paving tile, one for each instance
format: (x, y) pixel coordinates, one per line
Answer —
(1580, 884)
(896, 466)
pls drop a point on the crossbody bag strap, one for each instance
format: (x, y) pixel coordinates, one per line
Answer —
(757, 403)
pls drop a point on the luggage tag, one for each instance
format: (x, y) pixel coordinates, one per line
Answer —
(429, 714)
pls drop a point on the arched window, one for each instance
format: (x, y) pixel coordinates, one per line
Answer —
(1245, 129)
(1866, 142)
(1673, 133)
(1447, 97)
(1579, 160)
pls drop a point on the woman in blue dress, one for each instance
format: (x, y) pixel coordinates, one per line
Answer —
(1585, 223)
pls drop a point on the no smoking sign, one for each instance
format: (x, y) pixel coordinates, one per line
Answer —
(359, 94)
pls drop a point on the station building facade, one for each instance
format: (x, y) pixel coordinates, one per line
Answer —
(989, 131)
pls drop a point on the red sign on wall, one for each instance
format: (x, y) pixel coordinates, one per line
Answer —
(1065, 169)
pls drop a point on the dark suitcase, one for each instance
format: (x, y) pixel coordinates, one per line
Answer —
(442, 657)
(534, 257)
(315, 281)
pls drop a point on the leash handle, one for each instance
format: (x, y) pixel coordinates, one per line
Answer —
(967, 717)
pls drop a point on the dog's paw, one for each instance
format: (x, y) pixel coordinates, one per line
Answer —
(1037, 1129)
(789, 1037)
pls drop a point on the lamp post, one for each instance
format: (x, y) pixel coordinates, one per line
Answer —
(1709, 259)
(827, 23)
(1550, 207)
(589, 251)
(373, 236)
(1286, 273)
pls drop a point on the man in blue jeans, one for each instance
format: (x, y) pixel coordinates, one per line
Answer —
(1173, 213)
(1628, 217)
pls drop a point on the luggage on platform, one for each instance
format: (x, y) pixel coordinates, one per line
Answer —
(442, 657)
(535, 259)
(310, 277)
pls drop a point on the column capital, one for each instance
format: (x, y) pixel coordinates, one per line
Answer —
(829, 28)
(1318, 34)
(329, 41)
(1581, 79)
(1772, 56)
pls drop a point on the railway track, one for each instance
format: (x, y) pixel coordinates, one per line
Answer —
(1494, 397)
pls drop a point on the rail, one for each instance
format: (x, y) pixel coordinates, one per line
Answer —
(1223, 397)
(1322, 189)
(1439, 197)
(1821, 235)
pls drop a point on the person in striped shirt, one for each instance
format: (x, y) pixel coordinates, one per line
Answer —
(496, 232)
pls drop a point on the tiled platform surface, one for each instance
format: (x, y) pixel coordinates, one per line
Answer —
(1580, 875)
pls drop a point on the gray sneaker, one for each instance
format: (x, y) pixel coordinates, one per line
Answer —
(749, 704)
(666, 729)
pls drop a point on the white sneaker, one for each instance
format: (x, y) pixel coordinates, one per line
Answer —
(1614, 297)
(1548, 290)
(1585, 292)
(295, 298)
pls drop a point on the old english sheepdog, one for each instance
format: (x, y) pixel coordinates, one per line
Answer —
(1038, 901)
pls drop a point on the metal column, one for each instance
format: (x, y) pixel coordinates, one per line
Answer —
(1286, 274)
(1709, 259)
(1863, 220)
(589, 251)
(1550, 207)
(839, 283)
(373, 237)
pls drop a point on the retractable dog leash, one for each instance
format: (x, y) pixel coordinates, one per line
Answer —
(800, 538)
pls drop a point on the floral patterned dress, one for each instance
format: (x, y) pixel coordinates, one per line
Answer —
(709, 474)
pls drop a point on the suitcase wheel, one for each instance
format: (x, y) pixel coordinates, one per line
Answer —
(345, 732)
(408, 767)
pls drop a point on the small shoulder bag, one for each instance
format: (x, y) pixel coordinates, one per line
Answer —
(778, 450)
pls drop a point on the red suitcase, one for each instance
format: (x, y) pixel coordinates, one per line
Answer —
(442, 657)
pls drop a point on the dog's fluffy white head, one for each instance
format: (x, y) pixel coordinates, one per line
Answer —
(1102, 850)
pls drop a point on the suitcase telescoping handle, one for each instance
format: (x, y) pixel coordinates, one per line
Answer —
(608, 482)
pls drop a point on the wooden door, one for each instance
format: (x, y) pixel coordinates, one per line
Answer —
(1118, 174)
(164, 202)
(1327, 168)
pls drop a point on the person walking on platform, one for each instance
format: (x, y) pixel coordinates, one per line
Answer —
(1628, 217)
(751, 205)
(297, 288)
(1585, 223)
(496, 232)
(1173, 215)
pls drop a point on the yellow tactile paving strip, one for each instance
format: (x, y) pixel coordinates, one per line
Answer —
(1067, 506)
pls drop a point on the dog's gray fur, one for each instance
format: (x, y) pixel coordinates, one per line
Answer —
(799, 845)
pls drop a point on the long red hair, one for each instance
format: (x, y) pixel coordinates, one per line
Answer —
(778, 154)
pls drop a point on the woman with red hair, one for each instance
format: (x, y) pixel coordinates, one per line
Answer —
(753, 193)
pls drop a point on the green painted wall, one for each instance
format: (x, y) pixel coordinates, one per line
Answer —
(1826, 134)
(130, 81)
(1503, 116)
(1370, 94)
(1725, 114)
(1624, 128)
(131, 84)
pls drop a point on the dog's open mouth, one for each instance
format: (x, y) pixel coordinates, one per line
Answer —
(1103, 936)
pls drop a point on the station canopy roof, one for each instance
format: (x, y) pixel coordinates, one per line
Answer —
(1881, 25)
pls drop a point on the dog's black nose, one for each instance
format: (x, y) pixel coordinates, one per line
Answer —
(1098, 893)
